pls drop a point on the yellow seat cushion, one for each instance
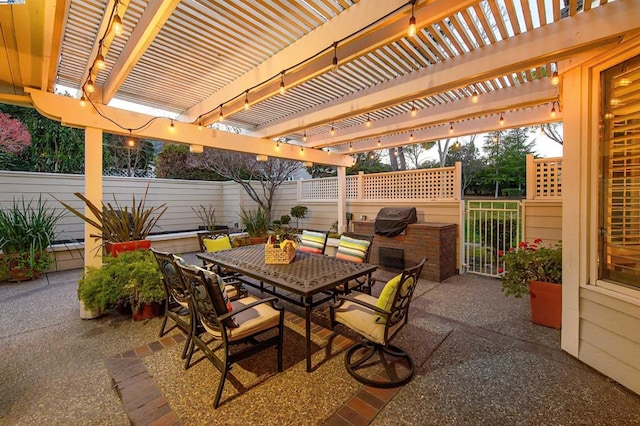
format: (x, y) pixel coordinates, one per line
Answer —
(385, 301)
(359, 319)
(218, 244)
(260, 317)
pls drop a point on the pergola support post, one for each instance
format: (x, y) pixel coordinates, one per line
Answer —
(342, 199)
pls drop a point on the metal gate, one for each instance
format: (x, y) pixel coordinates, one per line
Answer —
(490, 228)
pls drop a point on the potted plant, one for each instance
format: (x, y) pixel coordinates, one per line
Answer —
(27, 229)
(535, 270)
(132, 278)
(122, 228)
(256, 224)
(298, 212)
(207, 216)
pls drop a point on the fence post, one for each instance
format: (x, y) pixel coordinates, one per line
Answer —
(360, 195)
(457, 181)
(299, 189)
(530, 177)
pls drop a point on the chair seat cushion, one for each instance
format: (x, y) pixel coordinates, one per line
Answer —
(260, 317)
(360, 319)
(312, 242)
(352, 249)
(385, 301)
(218, 244)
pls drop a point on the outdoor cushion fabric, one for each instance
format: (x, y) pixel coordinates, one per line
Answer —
(218, 244)
(352, 249)
(312, 242)
(221, 302)
(358, 319)
(385, 301)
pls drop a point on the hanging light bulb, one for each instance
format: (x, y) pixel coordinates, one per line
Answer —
(99, 63)
(172, 127)
(373, 156)
(350, 147)
(89, 86)
(200, 125)
(368, 122)
(332, 131)
(117, 24)
(450, 128)
(282, 88)
(379, 143)
(246, 100)
(411, 31)
(277, 145)
(495, 138)
(555, 79)
(414, 110)
(474, 97)
(130, 141)
(411, 136)
(221, 115)
(301, 150)
(83, 101)
(304, 136)
(553, 110)
(456, 145)
(334, 62)
(396, 152)
(501, 119)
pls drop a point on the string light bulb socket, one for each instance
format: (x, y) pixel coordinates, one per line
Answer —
(350, 147)
(555, 79)
(221, 115)
(411, 31)
(117, 24)
(83, 101)
(553, 110)
(450, 128)
(501, 119)
(246, 100)
(411, 136)
(332, 131)
(368, 121)
(414, 110)
(172, 127)
(334, 61)
(474, 97)
(283, 90)
(99, 63)
(304, 136)
(130, 141)
(89, 86)
(379, 143)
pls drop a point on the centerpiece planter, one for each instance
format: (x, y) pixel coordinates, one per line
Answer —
(546, 303)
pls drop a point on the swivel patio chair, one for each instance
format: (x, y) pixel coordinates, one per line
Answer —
(355, 248)
(218, 240)
(176, 301)
(378, 320)
(235, 324)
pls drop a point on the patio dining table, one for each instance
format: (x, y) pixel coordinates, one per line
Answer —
(308, 281)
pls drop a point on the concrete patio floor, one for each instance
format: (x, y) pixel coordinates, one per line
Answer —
(478, 357)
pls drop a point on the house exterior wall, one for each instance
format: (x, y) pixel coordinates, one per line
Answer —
(600, 320)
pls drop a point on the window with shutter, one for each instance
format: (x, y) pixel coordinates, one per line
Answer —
(620, 174)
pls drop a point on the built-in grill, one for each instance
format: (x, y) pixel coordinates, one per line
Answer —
(392, 221)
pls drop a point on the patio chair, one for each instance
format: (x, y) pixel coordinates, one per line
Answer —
(218, 240)
(378, 320)
(313, 241)
(355, 248)
(176, 301)
(235, 324)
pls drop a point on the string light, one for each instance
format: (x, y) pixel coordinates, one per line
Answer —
(304, 136)
(246, 100)
(83, 101)
(200, 125)
(495, 138)
(301, 150)
(282, 88)
(89, 86)
(277, 145)
(396, 152)
(172, 127)
(379, 143)
(450, 128)
(412, 22)
(553, 110)
(350, 147)
(334, 62)
(368, 122)
(555, 78)
(221, 115)
(99, 63)
(474, 97)
(332, 131)
(414, 111)
(117, 23)
(411, 136)
(130, 141)
(501, 119)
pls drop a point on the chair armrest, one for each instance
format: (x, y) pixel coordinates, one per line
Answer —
(363, 303)
(272, 299)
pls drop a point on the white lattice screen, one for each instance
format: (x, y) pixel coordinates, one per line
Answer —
(426, 184)
(352, 187)
(319, 189)
(548, 177)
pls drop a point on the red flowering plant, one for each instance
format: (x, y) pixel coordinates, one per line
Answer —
(530, 262)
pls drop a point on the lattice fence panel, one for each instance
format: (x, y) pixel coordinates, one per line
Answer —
(413, 185)
(352, 187)
(548, 177)
(319, 189)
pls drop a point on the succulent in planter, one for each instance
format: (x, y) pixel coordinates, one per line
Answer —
(255, 222)
(27, 229)
(119, 223)
(131, 278)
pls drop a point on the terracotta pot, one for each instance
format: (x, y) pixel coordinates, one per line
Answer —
(257, 240)
(546, 303)
(114, 248)
(147, 311)
(17, 274)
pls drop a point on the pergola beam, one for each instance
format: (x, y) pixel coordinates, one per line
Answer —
(69, 112)
(520, 118)
(552, 42)
(55, 19)
(524, 95)
(350, 21)
(154, 17)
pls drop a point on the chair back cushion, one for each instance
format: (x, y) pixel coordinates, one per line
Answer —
(216, 295)
(352, 249)
(388, 295)
(312, 242)
(218, 244)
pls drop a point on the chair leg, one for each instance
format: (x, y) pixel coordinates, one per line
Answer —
(398, 371)
(280, 341)
(166, 317)
(221, 385)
